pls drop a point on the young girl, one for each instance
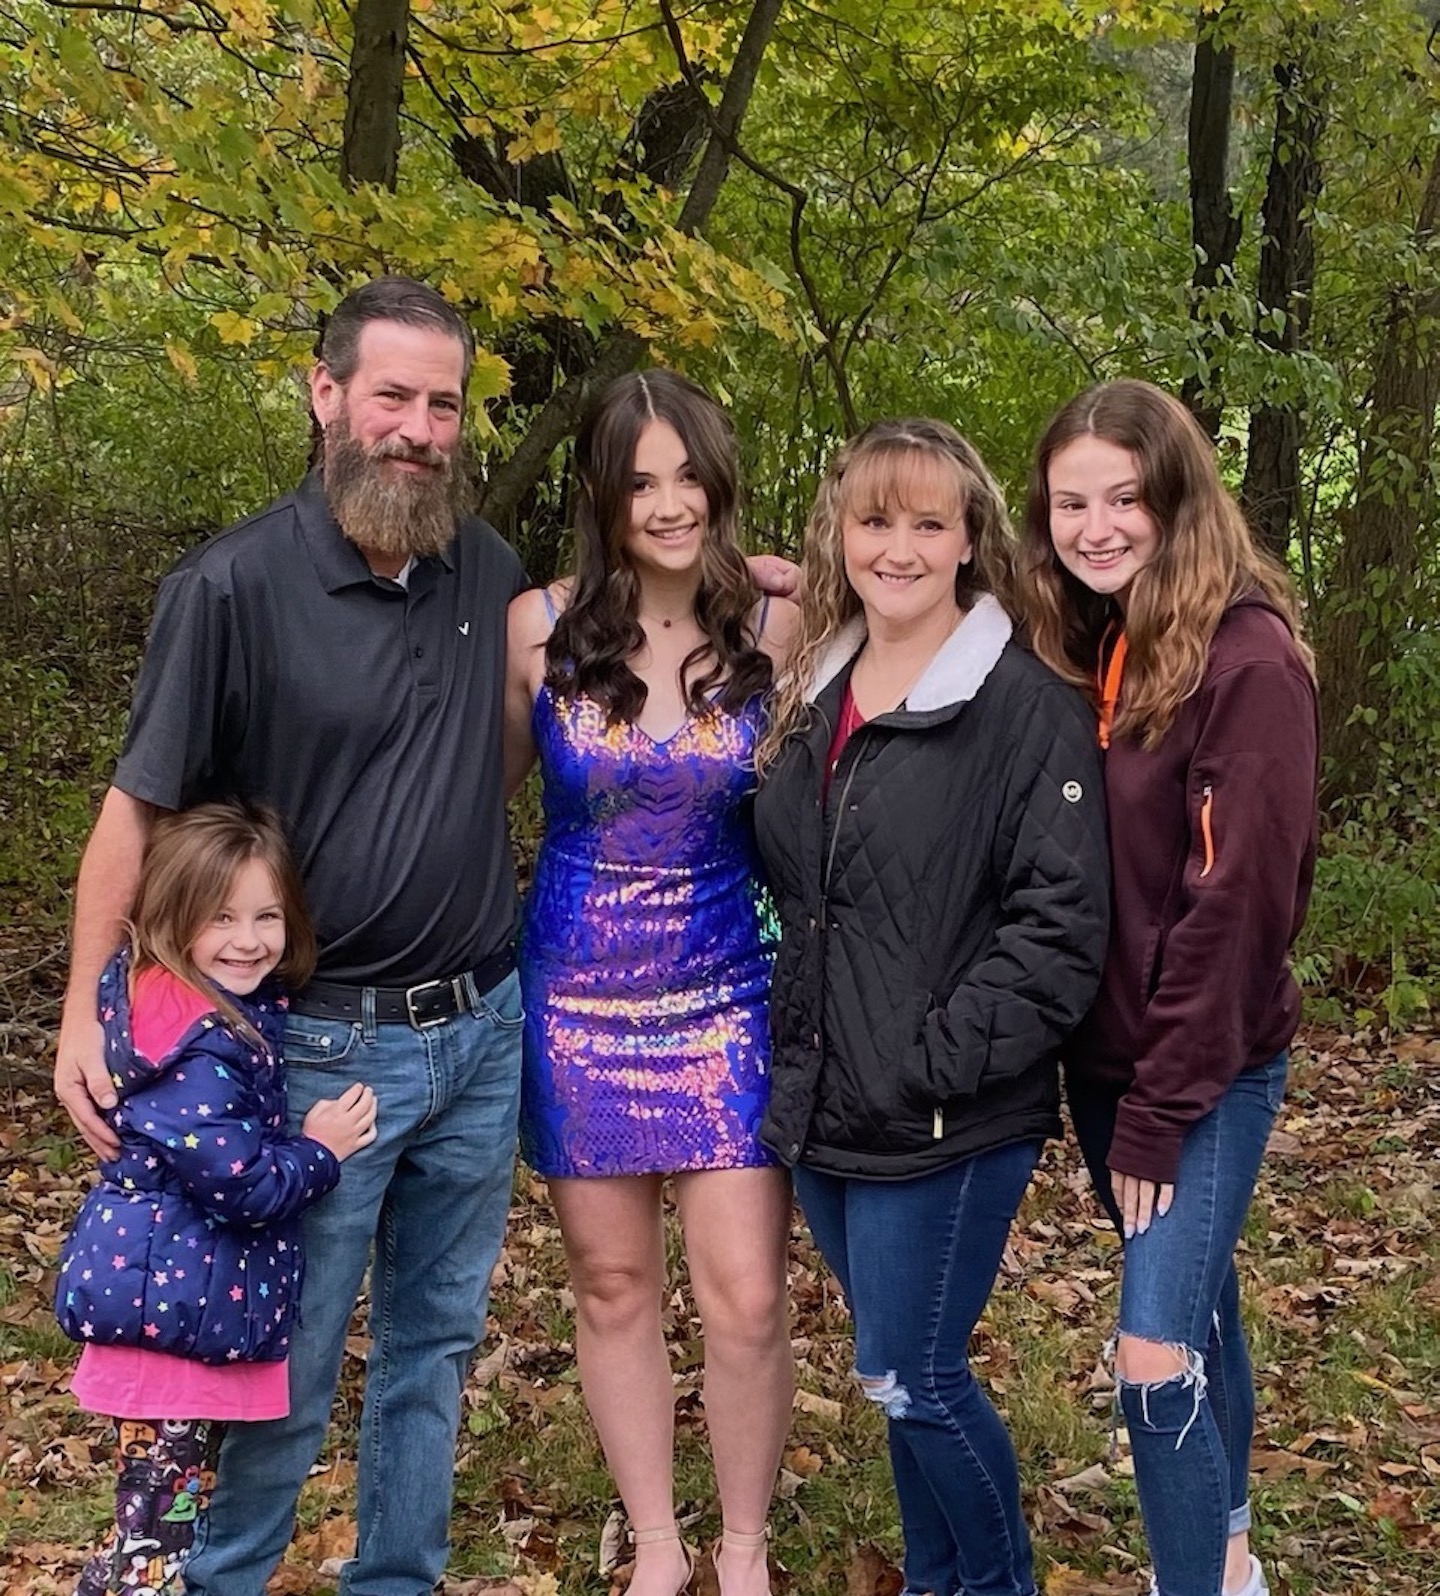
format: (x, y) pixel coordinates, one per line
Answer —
(1141, 583)
(931, 819)
(182, 1274)
(645, 971)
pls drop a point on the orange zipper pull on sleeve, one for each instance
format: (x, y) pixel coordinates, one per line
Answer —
(1207, 831)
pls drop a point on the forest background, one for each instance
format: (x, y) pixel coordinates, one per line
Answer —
(826, 212)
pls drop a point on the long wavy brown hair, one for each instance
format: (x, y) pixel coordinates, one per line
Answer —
(189, 865)
(598, 633)
(1205, 559)
(883, 467)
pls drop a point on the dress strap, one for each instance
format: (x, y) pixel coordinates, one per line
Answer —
(764, 613)
(550, 609)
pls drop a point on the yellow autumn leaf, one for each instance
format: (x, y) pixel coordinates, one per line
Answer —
(310, 77)
(234, 328)
(503, 302)
(183, 361)
(489, 376)
(40, 366)
(545, 135)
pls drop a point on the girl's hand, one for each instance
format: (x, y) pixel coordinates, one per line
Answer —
(343, 1123)
(1140, 1200)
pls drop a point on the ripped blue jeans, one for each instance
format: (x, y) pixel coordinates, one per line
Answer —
(1190, 1435)
(916, 1259)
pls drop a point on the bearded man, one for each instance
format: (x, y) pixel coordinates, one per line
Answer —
(341, 657)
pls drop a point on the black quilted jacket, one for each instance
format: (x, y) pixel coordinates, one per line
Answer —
(943, 913)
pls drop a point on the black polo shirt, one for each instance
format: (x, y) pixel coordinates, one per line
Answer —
(281, 669)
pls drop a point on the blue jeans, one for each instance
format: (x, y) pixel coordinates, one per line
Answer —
(916, 1259)
(1190, 1435)
(430, 1197)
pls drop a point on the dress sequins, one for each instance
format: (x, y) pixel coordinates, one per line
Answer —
(644, 955)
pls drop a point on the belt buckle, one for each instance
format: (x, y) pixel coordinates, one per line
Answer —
(424, 1024)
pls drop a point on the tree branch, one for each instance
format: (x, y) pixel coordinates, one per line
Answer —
(619, 352)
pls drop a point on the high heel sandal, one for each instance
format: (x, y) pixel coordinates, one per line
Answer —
(668, 1532)
(742, 1542)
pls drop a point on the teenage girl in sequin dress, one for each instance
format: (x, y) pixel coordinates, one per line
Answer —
(644, 961)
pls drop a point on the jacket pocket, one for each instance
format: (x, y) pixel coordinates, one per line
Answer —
(1150, 963)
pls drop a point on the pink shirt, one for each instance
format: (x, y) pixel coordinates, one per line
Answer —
(134, 1383)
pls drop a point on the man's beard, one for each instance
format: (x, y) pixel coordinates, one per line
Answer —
(397, 513)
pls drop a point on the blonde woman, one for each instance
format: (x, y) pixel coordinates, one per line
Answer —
(931, 819)
(1141, 583)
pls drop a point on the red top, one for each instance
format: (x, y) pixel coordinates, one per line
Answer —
(850, 720)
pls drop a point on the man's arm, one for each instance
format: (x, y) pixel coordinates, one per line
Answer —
(104, 895)
(775, 575)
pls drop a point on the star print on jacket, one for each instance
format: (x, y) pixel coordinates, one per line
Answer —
(190, 1244)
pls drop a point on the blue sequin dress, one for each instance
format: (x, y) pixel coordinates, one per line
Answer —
(644, 957)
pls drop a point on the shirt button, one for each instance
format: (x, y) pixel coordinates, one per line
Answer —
(419, 653)
(794, 1149)
(816, 1039)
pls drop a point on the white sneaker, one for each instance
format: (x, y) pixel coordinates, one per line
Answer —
(1254, 1586)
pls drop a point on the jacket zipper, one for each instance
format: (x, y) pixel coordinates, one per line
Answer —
(835, 830)
(829, 867)
(1207, 805)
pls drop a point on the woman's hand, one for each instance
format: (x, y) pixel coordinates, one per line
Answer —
(1140, 1201)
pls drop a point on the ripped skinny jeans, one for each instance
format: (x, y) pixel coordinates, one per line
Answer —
(1190, 1435)
(916, 1259)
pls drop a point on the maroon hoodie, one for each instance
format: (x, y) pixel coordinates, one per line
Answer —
(1213, 848)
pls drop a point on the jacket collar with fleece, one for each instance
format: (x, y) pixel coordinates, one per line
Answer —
(952, 678)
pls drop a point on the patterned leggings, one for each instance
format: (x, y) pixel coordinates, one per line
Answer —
(165, 1473)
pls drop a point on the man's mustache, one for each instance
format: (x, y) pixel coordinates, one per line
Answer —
(398, 449)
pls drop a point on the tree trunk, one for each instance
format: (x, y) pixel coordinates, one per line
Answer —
(371, 152)
(1374, 574)
(1286, 284)
(1214, 226)
(619, 351)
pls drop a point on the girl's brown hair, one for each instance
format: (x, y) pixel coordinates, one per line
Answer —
(881, 462)
(187, 873)
(599, 633)
(1205, 558)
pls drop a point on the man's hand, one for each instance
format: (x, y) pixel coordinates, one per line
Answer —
(83, 1084)
(1140, 1201)
(775, 575)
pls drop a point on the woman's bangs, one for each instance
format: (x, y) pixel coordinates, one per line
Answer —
(908, 479)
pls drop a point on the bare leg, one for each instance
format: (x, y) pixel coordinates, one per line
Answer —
(613, 1241)
(737, 1224)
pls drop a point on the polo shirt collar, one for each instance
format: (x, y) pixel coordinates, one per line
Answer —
(339, 563)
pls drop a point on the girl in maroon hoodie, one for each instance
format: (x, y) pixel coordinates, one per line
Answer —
(1141, 583)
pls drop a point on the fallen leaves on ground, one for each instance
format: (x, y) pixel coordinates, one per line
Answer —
(1341, 1272)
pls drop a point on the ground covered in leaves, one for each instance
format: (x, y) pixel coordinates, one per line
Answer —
(1341, 1267)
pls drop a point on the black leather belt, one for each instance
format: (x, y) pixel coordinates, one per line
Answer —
(421, 1006)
